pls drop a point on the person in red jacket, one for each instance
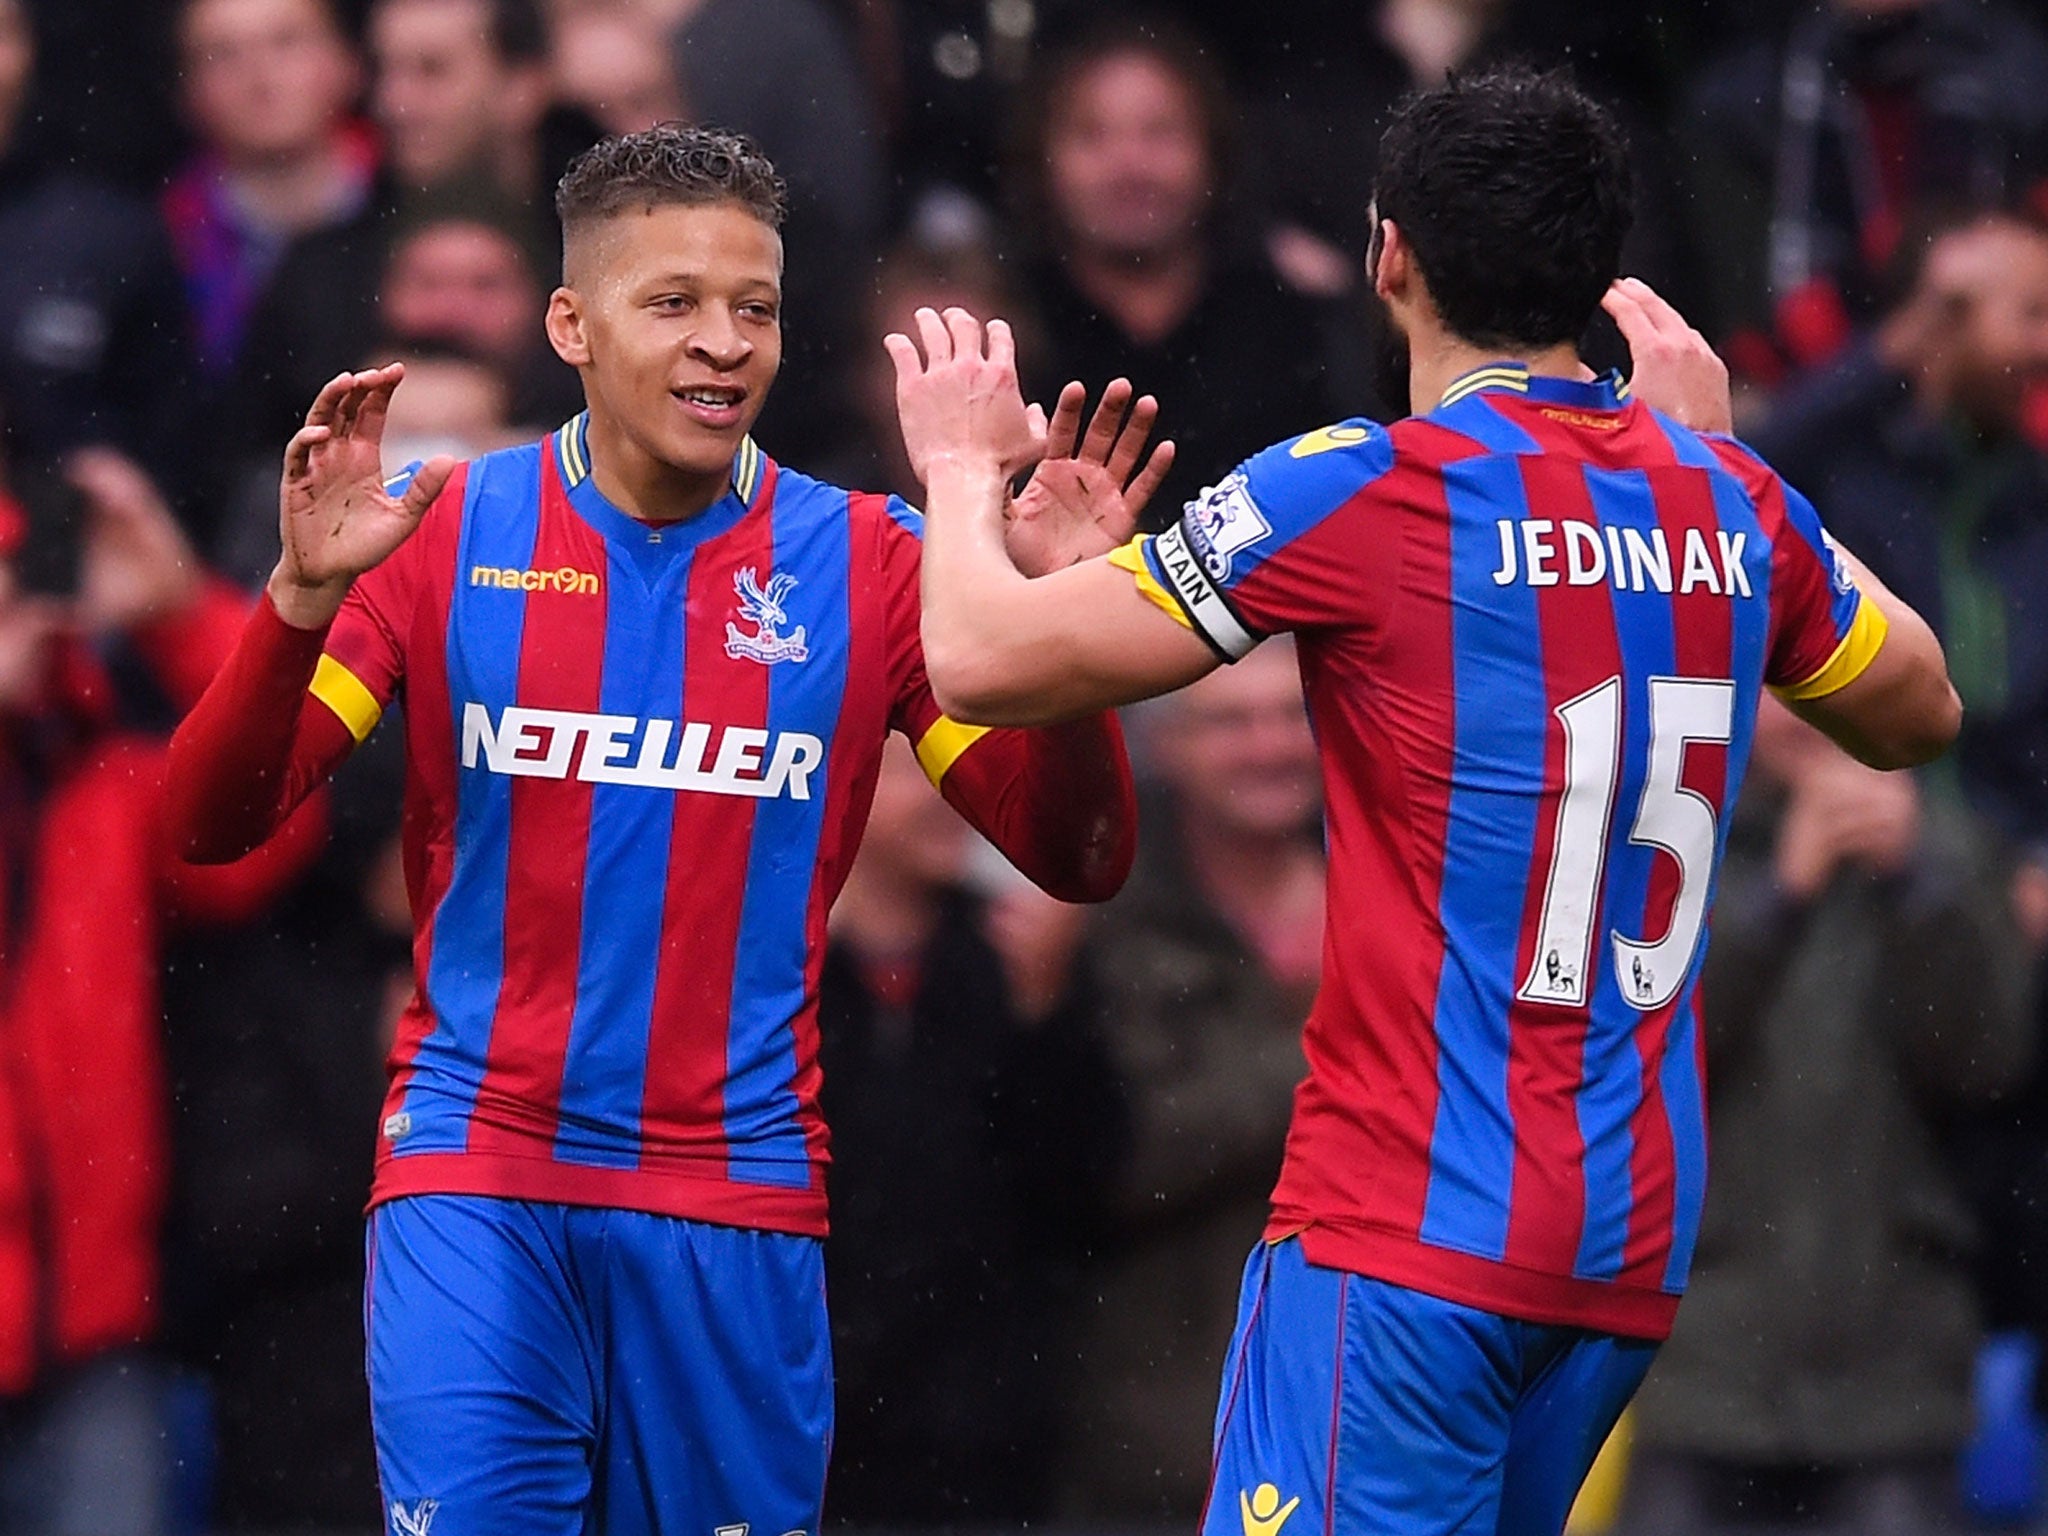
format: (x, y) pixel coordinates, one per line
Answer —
(87, 887)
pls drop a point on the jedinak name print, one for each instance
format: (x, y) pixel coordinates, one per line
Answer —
(1539, 552)
(657, 754)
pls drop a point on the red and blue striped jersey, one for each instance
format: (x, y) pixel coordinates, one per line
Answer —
(1533, 625)
(639, 760)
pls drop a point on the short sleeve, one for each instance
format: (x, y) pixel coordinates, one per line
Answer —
(1824, 631)
(1281, 543)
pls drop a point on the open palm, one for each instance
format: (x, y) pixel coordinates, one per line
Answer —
(1086, 495)
(336, 519)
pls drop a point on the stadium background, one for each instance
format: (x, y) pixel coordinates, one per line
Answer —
(1055, 1130)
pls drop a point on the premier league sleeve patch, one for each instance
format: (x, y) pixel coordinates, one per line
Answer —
(1221, 522)
(1193, 558)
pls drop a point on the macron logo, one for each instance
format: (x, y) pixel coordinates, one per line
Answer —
(566, 579)
(658, 754)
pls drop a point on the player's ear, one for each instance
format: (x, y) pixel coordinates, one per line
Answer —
(566, 331)
(1392, 272)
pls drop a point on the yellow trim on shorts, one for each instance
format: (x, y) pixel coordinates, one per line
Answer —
(343, 692)
(1852, 657)
(1131, 557)
(940, 747)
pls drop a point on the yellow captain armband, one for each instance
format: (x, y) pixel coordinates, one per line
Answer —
(939, 748)
(1851, 658)
(343, 692)
(1131, 557)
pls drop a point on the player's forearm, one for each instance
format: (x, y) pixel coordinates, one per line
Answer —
(998, 646)
(250, 751)
(1071, 820)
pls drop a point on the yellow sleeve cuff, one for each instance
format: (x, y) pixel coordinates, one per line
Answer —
(1851, 659)
(343, 692)
(940, 747)
(1131, 557)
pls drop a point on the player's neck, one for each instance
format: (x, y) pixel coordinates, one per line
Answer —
(1438, 360)
(643, 486)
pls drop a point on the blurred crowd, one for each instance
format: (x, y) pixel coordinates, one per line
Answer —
(1055, 1129)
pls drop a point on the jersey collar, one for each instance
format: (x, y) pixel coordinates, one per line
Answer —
(572, 452)
(1609, 392)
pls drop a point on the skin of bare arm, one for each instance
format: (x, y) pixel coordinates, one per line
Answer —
(1901, 710)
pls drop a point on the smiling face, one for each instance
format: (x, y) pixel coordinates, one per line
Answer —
(672, 314)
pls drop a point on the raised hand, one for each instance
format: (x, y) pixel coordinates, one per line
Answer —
(335, 518)
(1675, 371)
(1088, 491)
(959, 400)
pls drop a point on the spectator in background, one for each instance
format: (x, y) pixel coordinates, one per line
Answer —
(460, 94)
(1215, 946)
(1811, 150)
(975, 1123)
(93, 347)
(92, 892)
(1913, 448)
(1136, 273)
(460, 405)
(457, 277)
(460, 278)
(268, 86)
(1865, 987)
(783, 72)
(278, 1032)
(943, 74)
(1319, 112)
(612, 61)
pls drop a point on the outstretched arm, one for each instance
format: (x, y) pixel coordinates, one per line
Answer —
(1001, 648)
(275, 721)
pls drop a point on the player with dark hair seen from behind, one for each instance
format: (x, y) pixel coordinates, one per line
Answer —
(1534, 621)
(648, 677)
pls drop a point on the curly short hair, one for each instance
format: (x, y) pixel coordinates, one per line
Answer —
(1514, 190)
(666, 165)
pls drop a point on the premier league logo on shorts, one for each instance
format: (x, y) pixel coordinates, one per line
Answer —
(763, 609)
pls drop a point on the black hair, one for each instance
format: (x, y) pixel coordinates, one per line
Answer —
(1513, 190)
(670, 163)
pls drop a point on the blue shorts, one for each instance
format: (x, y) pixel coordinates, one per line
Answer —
(549, 1370)
(1354, 1406)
